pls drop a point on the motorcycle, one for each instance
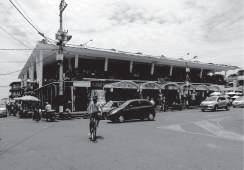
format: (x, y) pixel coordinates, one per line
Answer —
(50, 115)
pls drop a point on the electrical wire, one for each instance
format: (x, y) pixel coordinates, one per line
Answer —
(13, 37)
(32, 65)
(24, 49)
(33, 26)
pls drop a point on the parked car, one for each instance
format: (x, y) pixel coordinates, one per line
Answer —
(133, 109)
(214, 103)
(3, 110)
(110, 106)
(238, 102)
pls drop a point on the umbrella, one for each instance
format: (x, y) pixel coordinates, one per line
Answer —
(215, 94)
(28, 98)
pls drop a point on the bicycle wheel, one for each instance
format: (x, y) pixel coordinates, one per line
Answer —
(93, 130)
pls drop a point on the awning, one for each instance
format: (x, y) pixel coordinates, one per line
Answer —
(215, 94)
(122, 85)
(214, 88)
(190, 87)
(201, 87)
(27, 98)
(170, 86)
(82, 84)
(150, 86)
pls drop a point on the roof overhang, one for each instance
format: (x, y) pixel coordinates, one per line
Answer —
(49, 55)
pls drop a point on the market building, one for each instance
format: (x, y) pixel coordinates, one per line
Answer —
(111, 74)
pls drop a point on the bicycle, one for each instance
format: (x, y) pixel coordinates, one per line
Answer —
(94, 121)
(93, 128)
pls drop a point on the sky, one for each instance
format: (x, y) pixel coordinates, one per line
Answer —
(213, 30)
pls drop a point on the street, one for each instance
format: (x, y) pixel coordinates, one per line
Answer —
(176, 140)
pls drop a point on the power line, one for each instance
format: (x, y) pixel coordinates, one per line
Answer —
(33, 26)
(24, 49)
(12, 36)
(32, 65)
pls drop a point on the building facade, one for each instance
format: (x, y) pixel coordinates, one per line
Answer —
(15, 89)
(116, 75)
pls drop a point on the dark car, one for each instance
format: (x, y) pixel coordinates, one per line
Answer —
(133, 109)
(110, 106)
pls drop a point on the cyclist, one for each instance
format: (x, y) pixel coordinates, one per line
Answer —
(94, 111)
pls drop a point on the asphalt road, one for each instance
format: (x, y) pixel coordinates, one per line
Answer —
(179, 140)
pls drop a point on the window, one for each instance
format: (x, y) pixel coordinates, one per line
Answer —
(134, 104)
(145, 103)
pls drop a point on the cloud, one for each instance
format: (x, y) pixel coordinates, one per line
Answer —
(212, 30)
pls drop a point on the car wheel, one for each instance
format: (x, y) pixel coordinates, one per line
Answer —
(215, 108)
(121, 119)
(203, 110)
(151, 116)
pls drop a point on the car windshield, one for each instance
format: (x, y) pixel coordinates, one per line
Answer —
(109, 104)
(213, 98)
(125, 104)
(240, 98)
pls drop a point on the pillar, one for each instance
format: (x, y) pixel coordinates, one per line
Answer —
(69, 64)
(201, 73)
(76, 61)
(106, 64)
(131, 66)
(39, 68)
(72, 97)
(152, 69)
(171, 71)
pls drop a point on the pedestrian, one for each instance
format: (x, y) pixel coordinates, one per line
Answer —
(152, 101)
(48, 107)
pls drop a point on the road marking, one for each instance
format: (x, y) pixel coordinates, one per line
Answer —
(175, 127)
(211, 129)
(218, 130)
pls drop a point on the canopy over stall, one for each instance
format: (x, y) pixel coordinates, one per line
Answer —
(149, 86)
(122, 85)
(27, 98)
(201, 87)
(214, 88)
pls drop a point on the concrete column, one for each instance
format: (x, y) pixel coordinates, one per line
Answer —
(226, 74)
(106, 64)
(69, 64)
(72, 98)
(171, 71)
(131, 66)
(39, 68)
(201, 73)
(152, 69)
(31, 71)
(76, 61)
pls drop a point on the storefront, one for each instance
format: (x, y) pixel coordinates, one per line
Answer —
(123, 90)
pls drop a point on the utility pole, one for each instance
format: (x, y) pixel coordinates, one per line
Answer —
(62, 37)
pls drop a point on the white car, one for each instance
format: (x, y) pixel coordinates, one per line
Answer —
(238, 102)
(3, 110)
(214, 103)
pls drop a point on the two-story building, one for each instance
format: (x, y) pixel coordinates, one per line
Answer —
(15, 89)
(115, 75)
